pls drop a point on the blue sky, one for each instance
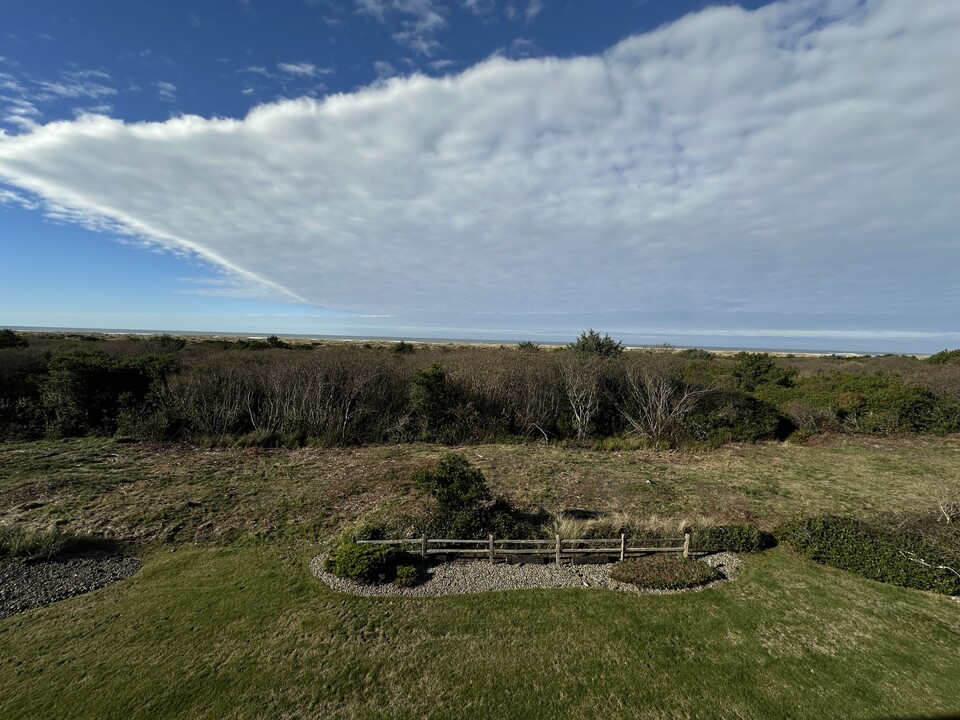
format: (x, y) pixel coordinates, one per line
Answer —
(756, 174)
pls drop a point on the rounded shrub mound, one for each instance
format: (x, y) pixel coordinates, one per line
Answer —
(363, 563)
(664, 572)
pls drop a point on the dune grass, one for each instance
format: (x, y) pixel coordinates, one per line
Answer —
(218, 632)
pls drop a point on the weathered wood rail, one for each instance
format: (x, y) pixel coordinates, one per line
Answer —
(559, 548)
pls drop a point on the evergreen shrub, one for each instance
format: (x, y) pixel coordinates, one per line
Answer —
(895, 555)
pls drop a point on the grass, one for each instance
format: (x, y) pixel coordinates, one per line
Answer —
(20, 542)
(225, 620)
(247, 632)
(179, 494)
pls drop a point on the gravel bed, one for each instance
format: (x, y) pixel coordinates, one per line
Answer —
(476, 576)
(28, 585)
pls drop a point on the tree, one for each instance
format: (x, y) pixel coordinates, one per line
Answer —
(591, 343)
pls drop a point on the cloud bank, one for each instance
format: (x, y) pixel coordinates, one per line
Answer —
(801, 161)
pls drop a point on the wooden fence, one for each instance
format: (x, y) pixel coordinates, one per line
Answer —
(558, 548)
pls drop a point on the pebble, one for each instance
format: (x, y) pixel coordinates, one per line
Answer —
(474, 576)
(25, 585)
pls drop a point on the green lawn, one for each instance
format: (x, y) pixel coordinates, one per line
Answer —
(226, 621)
(248, 632)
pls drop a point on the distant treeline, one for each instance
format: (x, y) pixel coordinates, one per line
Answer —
(268, 392)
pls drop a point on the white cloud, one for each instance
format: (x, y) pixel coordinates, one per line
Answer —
(419, 20)
(377, 9)
(440, 65)
(481, 8)
(87, 75)
(19, 112)
(800, 160)
(10, 83)
(69, 87)
(9, 197)
(534, 8)
(166, 91)
(303, 69)
(102, 109)
(384, 69)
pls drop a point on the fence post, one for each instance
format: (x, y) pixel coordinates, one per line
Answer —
(558, 549)
(491, 548)
(686, 544)
(423, 548)
(623, 546)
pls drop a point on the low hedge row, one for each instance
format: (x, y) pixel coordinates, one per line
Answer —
(887, 554)
(736, 537)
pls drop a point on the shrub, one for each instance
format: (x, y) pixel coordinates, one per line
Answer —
(736, 537)
(664, 572)
(363, 563)
(591, 343)
(407, 576)
(431, 399)
(752, 370)
(893, 555)
(944, 357)
(456, 485)
(465, 508)
(528, 345)
(11, 339)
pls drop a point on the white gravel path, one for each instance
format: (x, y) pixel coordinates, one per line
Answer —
(476, 576)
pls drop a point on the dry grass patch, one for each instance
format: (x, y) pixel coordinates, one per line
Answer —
(179, 494)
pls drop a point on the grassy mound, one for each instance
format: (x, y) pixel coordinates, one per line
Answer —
(664, 572)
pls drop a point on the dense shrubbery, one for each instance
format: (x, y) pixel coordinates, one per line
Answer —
(945, 356)
(901, 555)
(736, 537)
(11, 339)
(274, 393)
(664, 572)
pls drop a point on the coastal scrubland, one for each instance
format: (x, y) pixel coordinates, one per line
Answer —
(170, 454)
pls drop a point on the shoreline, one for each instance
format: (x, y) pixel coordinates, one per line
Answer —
(302, 338)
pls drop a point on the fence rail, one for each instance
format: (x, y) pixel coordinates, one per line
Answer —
(559, 548)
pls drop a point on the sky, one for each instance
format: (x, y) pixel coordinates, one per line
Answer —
(779, 175)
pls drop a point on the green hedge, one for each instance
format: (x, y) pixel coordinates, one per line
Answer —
(871, 551)
(736, 537)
